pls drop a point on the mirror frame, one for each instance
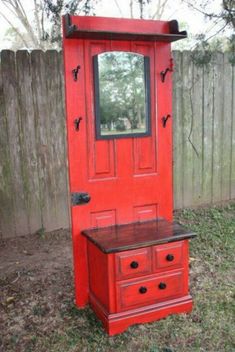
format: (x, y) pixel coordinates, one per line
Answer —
(97, 100)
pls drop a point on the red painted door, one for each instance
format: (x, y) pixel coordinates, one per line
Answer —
(128, 179)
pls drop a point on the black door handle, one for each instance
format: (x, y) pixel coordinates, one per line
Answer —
(80, 198)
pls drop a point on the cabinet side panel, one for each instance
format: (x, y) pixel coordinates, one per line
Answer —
(186, 266)
(98, 274)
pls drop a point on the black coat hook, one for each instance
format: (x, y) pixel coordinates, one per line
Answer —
(77, 123)
(168, 69)
(164, 120)
(75, 73)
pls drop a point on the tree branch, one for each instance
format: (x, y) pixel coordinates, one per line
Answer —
(119, 8)
(19, 12)
(199, 10)
(37, 19)
(14, 28)
(213, 35)
(160, 9)
(131, 8)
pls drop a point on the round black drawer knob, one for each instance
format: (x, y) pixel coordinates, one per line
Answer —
(142, 289)
(170, 257)
(162, 285)
(134, 265)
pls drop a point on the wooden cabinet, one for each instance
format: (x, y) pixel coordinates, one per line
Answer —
(138, 284)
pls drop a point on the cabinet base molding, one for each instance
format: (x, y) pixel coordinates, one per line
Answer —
(116, 323)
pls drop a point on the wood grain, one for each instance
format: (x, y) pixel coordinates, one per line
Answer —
(33, 157)
(136, 235)
(33, 149)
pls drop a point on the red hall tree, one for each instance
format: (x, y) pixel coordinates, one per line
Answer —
(130, 259)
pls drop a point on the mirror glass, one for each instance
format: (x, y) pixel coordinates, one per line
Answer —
(121, 94)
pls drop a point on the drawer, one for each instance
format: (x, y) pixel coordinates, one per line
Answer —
(150, 290)
(168, 255)
(133, 263)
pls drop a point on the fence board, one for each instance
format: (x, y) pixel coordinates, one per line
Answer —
(7, 214)
(217, 127)
(207, 133)
(196, 135)
(232, 157)
(28, 142)
(187, 120)
(178, 131)
(33, 156)
(10, 87)
(226, 129)
(56, 145)
(41, 130)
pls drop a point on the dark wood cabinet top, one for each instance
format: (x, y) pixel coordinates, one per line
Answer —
(137, 235)
(113, 29)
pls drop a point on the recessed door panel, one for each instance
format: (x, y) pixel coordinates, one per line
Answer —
(103, 218)
(145, 212)
(100, 154)
(145, 149)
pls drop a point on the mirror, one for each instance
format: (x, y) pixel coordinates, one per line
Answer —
(122, 104)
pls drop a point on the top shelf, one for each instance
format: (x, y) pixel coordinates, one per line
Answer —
(165, 31)
(137, 235)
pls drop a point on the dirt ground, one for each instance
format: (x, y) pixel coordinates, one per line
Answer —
(36, 278)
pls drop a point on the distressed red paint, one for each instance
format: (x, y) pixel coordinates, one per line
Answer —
(128, 179)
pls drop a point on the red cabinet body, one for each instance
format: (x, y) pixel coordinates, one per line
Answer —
(124, 178)
(136, 278)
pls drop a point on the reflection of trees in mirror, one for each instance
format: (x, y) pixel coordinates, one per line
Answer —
(122, 93)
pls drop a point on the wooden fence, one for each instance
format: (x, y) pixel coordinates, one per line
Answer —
(33, 161)
(204, 130)
(33, 169)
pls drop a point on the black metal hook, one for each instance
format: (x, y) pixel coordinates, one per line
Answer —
(163, 74)
(168, 69)
(75, 72)
(164, 120)
(77, 123)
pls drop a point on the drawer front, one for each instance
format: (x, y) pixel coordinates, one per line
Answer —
(133, 263)
(133, 294)
(168, 256)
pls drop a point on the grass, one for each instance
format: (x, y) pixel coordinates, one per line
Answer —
(209, 327)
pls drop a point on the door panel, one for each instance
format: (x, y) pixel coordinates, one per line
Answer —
(101, 160)
(103, 218)
(100, 154)
(145, 149)
(145, 156)
(145, 212)
(128, 179)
